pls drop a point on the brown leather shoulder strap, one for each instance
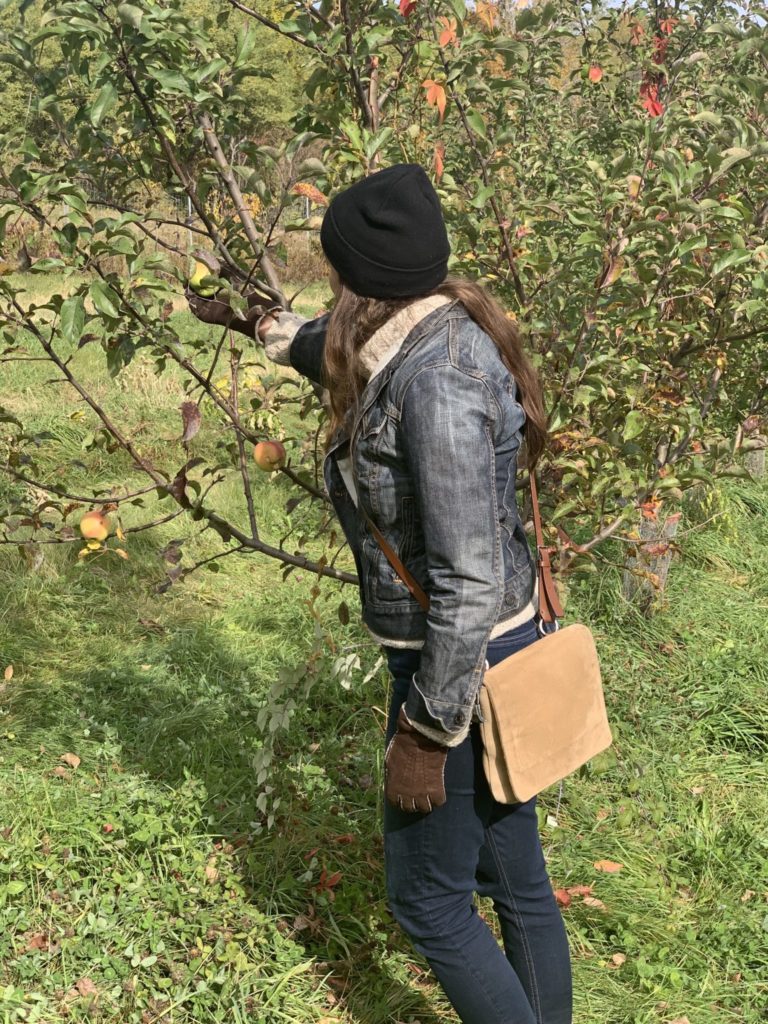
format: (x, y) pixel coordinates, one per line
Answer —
(396, 564)
(550, 608)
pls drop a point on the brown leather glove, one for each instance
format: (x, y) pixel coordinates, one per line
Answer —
(413, 769)
(217, 311)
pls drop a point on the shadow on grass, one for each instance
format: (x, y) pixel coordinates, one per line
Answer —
(181, 695)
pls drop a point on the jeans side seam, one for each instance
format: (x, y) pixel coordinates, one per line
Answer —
(490, 838)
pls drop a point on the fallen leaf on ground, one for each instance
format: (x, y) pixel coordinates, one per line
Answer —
(61, 771)
(618, 959)
(592, 901)
(71, 759)
(8, 674)
(609, 866)
(580, 890)
(563, 897)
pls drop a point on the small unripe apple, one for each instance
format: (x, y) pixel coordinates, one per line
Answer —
(269, 455)
(95, 525)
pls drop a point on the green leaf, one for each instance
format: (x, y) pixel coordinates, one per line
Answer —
(633, 425)
(477, 124)
(72, 319)
(731, 259)
(698, 242)
(105, 100)
(105, 299)
(459, 8)
(130, 15)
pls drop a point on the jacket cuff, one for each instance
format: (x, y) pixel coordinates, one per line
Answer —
(445, 739)
(277, 343)
(420, 717)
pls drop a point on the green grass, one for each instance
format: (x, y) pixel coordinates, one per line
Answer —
(142, 886)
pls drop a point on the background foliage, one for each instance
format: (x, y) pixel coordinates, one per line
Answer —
(207, 849)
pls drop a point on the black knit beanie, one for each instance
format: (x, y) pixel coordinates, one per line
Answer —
(385, 235)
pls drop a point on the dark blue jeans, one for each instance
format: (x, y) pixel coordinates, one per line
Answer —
(436, 862)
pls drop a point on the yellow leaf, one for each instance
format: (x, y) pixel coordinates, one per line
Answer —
(486, 12)
(119, 532)
(8, 674)
(122, 553)
(83, 552)
(93, 545)
(609, 866)
(634, 181)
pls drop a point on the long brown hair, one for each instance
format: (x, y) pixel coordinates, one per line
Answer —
(355, 319)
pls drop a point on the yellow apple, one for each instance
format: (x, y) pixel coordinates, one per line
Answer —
(95, 525)
(269, 455)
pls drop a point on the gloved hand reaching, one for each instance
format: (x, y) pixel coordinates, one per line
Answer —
(218, 311)
(212, 306)
(414, 766)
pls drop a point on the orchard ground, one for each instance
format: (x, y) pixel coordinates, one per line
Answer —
(137, 882)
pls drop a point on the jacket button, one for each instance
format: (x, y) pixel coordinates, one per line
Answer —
(459, 718)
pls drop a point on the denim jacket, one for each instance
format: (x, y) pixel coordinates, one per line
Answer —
(433, 457)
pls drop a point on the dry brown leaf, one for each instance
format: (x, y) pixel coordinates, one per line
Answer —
(618, 959)
(86, 987)
(190, 420)
(603, 813)
(563, 897)
(609, 866)
(122, 553)
(579, 890)
(71, 759)
(8, 674)
(211, 871)
(36, 940)
(60, 771)
(592, 901)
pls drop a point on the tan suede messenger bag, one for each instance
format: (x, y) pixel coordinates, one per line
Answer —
(543, 708)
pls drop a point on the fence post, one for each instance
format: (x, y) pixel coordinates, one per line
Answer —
(646, 571)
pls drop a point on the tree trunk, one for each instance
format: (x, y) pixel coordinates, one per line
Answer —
(646, 571)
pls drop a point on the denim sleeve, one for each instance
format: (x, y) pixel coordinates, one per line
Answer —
(448, 419)
(307, 348)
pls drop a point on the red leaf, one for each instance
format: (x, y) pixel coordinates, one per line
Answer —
(406, 6)
(660, 45)
(637, 33)
(649, 92)
(563, 897)
(106, 827)
(595, 73)
(667, 26)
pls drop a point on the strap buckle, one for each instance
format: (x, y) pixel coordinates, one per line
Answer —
(543, 627)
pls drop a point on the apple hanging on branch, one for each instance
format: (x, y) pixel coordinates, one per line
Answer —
(95, 525)
(269, 455)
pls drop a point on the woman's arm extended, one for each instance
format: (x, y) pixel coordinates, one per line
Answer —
(288, 338)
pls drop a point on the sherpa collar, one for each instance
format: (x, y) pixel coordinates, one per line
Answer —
(384, 343)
